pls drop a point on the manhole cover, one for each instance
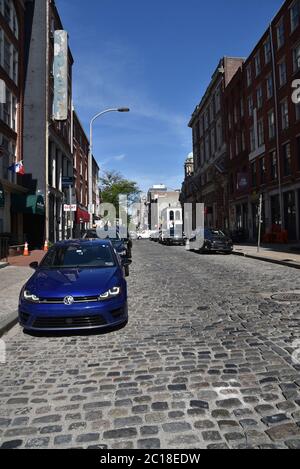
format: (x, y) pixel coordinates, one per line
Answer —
(286, 297)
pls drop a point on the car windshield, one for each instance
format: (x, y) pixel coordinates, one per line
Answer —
(212, 233)
(79, 256)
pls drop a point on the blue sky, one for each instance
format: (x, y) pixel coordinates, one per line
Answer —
(157, 57)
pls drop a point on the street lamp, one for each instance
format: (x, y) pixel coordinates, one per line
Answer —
(90, 161)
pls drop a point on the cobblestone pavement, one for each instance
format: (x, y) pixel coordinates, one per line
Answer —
(205, 362)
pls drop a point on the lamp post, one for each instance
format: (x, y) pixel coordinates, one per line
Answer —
(90, 160)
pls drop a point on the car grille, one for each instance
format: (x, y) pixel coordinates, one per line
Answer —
(78, 299)
(68, 322)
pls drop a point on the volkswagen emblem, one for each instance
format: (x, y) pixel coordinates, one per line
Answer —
(69, 300)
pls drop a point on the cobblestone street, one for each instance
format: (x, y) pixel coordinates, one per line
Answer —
(204, 362)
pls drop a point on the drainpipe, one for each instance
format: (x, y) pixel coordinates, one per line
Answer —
(277, 128)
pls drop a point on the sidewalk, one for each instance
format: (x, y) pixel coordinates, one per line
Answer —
(12, 279)
(287, 255)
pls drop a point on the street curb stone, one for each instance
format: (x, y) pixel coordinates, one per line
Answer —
(8, 323)
(267, 259)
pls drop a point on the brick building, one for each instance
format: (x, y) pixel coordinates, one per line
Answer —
(208, 184)
(80, 157)
(11, 114)
(263, 123)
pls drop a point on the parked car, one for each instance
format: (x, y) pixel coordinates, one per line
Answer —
(173, 237)
(145, 234)
(154, 236)
(78, 285)
(122, 246)
(211, 240)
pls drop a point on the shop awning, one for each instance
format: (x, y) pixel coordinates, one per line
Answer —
(82, 216)
(30, 204)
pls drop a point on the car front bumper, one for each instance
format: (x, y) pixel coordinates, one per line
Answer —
(80, 316)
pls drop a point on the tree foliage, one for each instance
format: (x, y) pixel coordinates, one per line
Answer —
(113, 184)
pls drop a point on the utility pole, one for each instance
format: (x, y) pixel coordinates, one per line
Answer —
(259, 221)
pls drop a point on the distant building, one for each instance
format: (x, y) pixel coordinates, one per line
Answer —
(159, 198)
(208, 183)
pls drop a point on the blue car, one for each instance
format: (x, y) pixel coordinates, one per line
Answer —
(79, 285)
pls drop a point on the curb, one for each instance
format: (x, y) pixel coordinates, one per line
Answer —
(267, 259)
(9, 323)
(3, 265)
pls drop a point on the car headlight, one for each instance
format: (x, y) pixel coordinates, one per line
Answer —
(112, 293)
(30, 297)
(122, 253)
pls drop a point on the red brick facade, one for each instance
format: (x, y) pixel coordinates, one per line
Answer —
(261, 124)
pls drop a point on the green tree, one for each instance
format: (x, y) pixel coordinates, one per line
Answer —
(112, 185)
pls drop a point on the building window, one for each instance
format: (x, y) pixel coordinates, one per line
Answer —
(237, 145)
(271, 122)
(250, 106)
(259, 96)
(217, 100)
(280, 34)
(207, 148)
(219, 133)
(252, 139)
(269, 86)
(202, 156)
(273, 165)
(243, 141)
(235, 114)
(261, 136)
(213, 141)
(262, 170)
(249, 75)
(295, 15)
(284, 107)
(287, 159)
(257, 64)
(282, 73)
(253, 174)
(267, 50)
(242, 108)
(201, 126)
(296, 58)
(8, 11)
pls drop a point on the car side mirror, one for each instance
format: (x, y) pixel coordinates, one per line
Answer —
(126, 262)
(34, 265)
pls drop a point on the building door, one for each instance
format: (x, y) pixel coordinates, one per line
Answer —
(290, 215)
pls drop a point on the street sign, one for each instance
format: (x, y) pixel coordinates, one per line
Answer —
(70, 208)
(67, 182)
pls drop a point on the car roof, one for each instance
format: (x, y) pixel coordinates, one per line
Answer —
(83, 242)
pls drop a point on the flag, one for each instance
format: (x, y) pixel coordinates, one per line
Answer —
(17, 168)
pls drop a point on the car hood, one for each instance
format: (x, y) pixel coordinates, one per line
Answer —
(56, 283)
(222, 239)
